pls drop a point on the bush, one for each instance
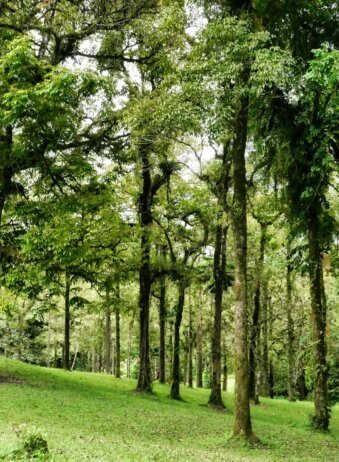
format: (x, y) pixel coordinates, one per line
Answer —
(33, 442)
(206, 380)
(32, 446)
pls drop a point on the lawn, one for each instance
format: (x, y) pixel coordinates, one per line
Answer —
(93, 417)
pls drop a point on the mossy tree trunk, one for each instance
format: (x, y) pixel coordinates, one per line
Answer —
(219, 274)
(321, 417)
(242, 420)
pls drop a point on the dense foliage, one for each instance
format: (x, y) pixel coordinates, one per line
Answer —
(169, 194)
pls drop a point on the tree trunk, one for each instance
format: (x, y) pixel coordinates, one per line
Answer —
(242, 420)
(117, 336)
(253, 352)
(170, 348)
(290, 328)
(215, 398)
(265, 366)
(67, 323)
(175, 388)
(6, 171)
(185, 364)
(129, 344)
(253, 392)
(224, 383)
(49, 341)
(162, 336)
(190, 346)
(108, 331)
(199, 348)
(145, 379)
(95, 362)
(321, 417)
(301, 384)
(75, 357)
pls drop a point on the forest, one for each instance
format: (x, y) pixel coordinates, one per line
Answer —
(169, 230)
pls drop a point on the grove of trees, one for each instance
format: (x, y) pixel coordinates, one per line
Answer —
(169, 194)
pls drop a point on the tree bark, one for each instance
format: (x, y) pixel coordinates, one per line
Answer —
(215, 398)
(290, 328)
(67, 323)
(145, 379)
(265, 365)
(108, 331)
(253, 392)
(253, 352)
(242, 420)
(117, 336)
(6, 171)
(95, 362)
(199, 348)
(175, 388)
(225, 371)
(49, 340)
(129, 343)
(321, 417)
(162, 333)
(190, 346)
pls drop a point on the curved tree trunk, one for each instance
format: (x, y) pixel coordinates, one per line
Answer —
(321, 417)
(175, 388)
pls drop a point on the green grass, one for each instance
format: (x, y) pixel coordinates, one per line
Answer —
(93, 417)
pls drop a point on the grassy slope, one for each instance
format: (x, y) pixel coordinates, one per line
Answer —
(92, 417)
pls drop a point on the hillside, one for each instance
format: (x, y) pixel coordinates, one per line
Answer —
(95, 417)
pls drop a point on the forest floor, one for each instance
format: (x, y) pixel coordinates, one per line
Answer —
(93, 417)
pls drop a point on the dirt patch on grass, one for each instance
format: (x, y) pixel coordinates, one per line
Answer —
(9, 379)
